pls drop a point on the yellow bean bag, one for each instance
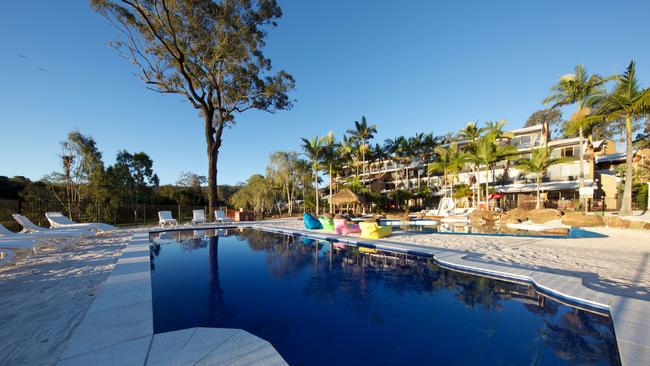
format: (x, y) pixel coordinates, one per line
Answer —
(371, 230)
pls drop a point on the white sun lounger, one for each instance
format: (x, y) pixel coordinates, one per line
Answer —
(30, 227)
(57, 220)
(198, 217)
(221, 218)
(6, 234)
(11, 240)
(17, 244)
(165, 219)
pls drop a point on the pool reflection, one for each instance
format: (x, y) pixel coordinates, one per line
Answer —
(310, 297)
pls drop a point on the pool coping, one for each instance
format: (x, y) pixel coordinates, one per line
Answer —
(126, 294)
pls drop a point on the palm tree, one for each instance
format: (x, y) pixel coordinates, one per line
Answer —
(627, 101)
(363, 132)
(539, 161)
(449, 161)
(471, 133)
(330, 158)
(488, 152)
(496, 129)
(584, 90)
(417, 148)
(429, 144)
(313, 150)
(304, 171)
(347, 150)
(400, 150)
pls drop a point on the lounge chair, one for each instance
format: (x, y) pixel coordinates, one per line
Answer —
(165, 219)
(18, 244)
(6, 234)
(311, 222)
(221, 218)
(11, 240)
(198, 217)
(372, 230)
(30, 227)
(57, 220)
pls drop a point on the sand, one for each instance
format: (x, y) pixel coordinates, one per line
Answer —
(618, 263)
(44, 296)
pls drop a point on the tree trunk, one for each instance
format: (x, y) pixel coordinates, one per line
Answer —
(363, 165)
(451, 185)
(213, 142)
(477, 169)
(581, 174)
(212, 179)
(626, 205)
(316, 185)
(487, 186)
(539, 186)
(289, 202)
(331, 204)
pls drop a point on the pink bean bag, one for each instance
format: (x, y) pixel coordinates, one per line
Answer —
(341, 226)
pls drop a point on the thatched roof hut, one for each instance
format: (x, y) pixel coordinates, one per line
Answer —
(345, 196)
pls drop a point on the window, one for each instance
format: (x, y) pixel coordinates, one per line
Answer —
(521, 142)
(565, 152)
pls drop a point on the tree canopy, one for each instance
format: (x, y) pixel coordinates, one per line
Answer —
(209, 52)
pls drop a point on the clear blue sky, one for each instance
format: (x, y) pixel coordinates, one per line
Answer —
(408, 66)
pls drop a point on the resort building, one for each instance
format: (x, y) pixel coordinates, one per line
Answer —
(560, 184)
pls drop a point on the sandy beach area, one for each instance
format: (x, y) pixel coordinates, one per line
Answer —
(43, 296)
(617, 263)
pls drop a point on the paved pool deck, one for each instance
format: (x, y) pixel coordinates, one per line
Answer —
(118, 327)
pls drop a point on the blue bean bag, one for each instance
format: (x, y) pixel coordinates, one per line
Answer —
(311, 222)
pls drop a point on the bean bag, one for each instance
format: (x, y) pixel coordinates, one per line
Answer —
(371, 230)
(311, 222)
(327, 223)
(342, 226)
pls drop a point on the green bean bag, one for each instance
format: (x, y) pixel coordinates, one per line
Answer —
(328, 223)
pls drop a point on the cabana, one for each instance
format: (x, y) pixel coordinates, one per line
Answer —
(347, 197)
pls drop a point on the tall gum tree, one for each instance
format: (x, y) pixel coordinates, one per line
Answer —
(209, 52)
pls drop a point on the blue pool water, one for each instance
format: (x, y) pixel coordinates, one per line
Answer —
(320, 303)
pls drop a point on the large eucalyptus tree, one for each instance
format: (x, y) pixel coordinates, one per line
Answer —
(209, 52)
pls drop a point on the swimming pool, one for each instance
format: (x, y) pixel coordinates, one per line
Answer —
(322, 303)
